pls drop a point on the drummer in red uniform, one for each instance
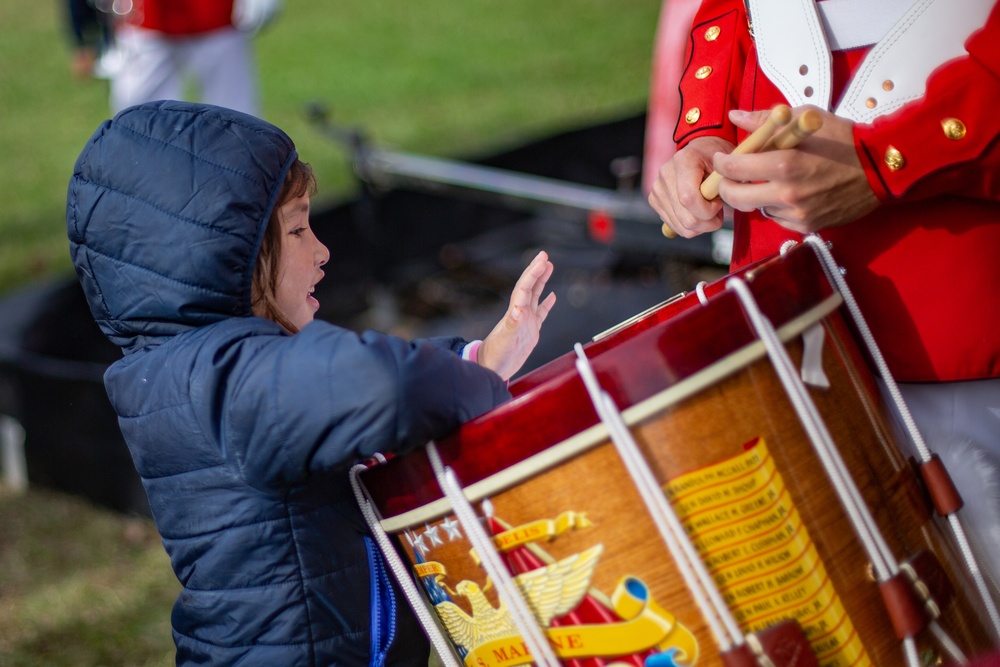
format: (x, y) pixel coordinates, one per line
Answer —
(903, 178)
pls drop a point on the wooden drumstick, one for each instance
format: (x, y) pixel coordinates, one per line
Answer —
(779, 116)
(791, 134)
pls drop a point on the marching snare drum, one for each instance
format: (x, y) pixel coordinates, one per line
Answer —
(733, 462)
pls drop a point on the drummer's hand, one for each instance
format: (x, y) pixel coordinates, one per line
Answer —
(507, 347)
(820, 183)
(676, 196)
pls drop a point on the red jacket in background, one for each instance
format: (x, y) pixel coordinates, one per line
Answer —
(181, 17)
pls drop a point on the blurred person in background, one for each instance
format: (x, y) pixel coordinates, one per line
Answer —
(164, 49)
(92, 34)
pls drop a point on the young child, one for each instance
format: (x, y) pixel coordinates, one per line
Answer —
(189, 230)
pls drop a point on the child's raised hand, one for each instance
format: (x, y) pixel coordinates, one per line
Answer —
(507, 347)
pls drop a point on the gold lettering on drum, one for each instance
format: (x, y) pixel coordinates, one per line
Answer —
(753, 542)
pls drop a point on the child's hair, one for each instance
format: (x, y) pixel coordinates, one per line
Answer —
(264, 285)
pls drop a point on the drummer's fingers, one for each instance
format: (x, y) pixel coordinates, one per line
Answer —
(684, 221)
(661, 202)
(748, 196)
(771, 200)
(656, 202)
(677, 199)
(748, 120)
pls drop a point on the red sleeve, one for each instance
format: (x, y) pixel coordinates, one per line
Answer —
(715, 61)
(945, 142)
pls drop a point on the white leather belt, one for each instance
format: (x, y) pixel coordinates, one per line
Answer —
(794, 39)
(850, 24)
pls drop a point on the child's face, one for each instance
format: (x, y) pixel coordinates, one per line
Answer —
(301, 257)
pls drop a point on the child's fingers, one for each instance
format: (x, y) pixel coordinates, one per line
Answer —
(532, 281)
(544, 307)
(536, 275)
(541, 281)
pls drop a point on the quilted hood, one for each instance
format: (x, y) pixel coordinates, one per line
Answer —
(165, 213)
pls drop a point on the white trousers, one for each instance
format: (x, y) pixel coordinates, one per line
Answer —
(155, 66)
(960, 421)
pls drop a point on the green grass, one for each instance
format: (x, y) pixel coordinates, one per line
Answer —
(83, 586)
(438, 77)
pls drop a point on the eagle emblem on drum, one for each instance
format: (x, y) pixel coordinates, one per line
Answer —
(550, 591)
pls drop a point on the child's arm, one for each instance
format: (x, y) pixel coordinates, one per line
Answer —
(284, 407)
(291, 405)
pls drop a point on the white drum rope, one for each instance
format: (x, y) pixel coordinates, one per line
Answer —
(910, 651)
(948, 645)
(700, 290)
(958, 530)
(706, 594)
(401, 571)
(507, 589)
(883, 562)
(833, 272)
(882, 559)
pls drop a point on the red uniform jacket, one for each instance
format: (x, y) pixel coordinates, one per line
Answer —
(923, 266)
(181, 17)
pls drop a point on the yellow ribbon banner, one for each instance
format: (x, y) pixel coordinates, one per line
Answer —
(646, 626)
(430, 569)
(543, 529)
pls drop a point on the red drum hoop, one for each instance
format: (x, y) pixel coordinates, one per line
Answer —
(716, 429)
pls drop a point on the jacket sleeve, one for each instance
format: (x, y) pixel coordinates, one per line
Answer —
(327, 397)
(712, 78)
(945, 142)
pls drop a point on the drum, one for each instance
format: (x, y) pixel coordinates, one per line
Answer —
(737, 523)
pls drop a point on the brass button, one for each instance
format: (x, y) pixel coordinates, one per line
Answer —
(894, 159)
(703, 72)
(713, 33)
(803, 69)
(808, 92)
(871, 103)
(953, 128)
(692, 116)
(888, 85)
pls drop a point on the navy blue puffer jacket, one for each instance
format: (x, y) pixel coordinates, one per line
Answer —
(242, 433)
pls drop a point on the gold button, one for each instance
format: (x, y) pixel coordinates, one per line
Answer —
(894, 159)
(692, 116)
(703, 72)
(953, 128)
(870, 103)
(803, 69)
(888, 85)
(712, 33)
(808, 92)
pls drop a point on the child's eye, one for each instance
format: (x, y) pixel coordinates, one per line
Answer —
(298, 231)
